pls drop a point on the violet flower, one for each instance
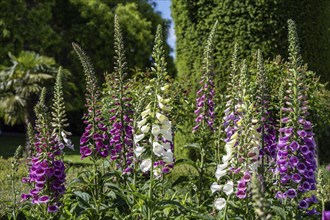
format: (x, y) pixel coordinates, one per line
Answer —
(296, 157)
(47, 170)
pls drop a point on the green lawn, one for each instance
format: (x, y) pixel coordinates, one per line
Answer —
(9, 143)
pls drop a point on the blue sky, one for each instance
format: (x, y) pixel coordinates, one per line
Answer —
(164, 7)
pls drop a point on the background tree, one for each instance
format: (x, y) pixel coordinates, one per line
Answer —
(49, 27)
(20, 85)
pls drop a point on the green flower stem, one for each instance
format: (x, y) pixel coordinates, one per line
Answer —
(226, 208)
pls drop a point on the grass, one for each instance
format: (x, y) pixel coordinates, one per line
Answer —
(9, 143)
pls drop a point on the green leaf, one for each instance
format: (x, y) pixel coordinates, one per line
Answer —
(279, 211)
(180, 180)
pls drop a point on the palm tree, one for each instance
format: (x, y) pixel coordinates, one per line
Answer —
(21, 83)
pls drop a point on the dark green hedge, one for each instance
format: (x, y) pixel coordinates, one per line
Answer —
(253, 24)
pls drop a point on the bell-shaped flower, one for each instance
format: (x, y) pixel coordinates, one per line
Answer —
(228, 188)
(226, 158)
(158, 149)
(220, 172)
(215, 187)
(220, 203)
(163, 107)
(167, 146)
(167, 134)
(162, 118)
(155, 130)
(168, 156)
(146, 113)
(141, 123)
(139, 150)
(138, 138)
(145, 129)
(229, 146)
(145, 165)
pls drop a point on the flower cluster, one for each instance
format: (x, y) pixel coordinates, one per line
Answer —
(47, 170)
(267, 124)
(154, 123)
(204, 112)
(161, 140)
(95, 139)
(59, 120)
(242, 140)
(204, 102)
(296, 164)
(121, 123)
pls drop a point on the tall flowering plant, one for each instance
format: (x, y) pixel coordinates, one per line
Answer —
(47, 170)
(296, 157)
(242, 144)
(153, 136)
(154, 123)
(59, 121)
(94, 142)
(205, 115)
(267, 123)
(119, 110)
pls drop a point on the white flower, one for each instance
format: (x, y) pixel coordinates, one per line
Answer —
(228, 188)
(139, 150)
(167, 134)
(229, 145)
(145, 165)
(157, 149)
(159, 98)
(155, 130)
(165, 87)
(222, 166)
(254, 120)
(145, 113)
(234, 136)
(220, 172)
(162, 118)
(168, 156)
(226, 158)
(254, 166)
(138, 138)
(141, 123)
(167, 146)
(157, 173)
(163, 107)
(215, 187)
(145, 129)
(219, 203)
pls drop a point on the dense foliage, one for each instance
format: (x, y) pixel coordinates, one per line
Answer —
(252, 25)
(49, 27)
